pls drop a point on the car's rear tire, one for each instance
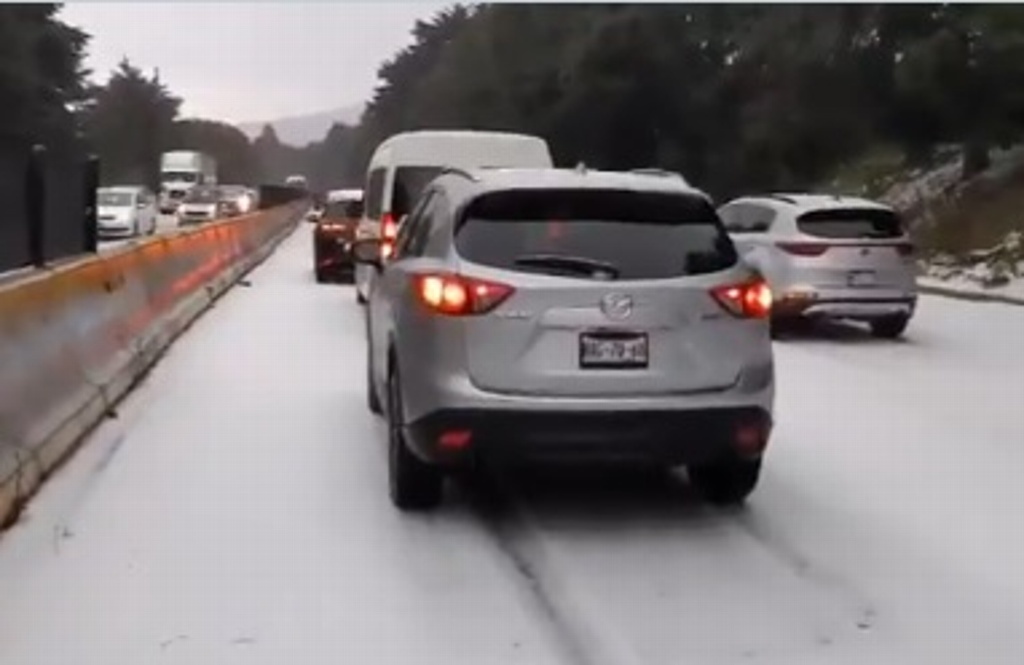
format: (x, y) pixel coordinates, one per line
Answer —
(783, 326)
(726, 483)
(890, 327)
(414, 485)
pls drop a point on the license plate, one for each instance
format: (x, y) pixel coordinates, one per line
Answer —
(613, 350)
(861, 278)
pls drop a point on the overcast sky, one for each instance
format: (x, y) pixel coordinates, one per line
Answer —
(244, 61)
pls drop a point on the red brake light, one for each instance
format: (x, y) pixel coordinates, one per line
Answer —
(803, 248)
(388, 227)
(388, 233)
(751, 300)
(460, 296)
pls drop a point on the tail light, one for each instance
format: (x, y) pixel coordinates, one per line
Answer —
(388, 227)
(388, 233)
(905, 248)
(751, 300)
(803, 248)
(456, 295)
(456, 439)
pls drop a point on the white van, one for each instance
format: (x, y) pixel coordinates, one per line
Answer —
(405, 163)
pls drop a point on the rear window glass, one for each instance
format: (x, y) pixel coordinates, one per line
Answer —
(374, 192)
(114, 199)
(618, 234)
(202, 195)
(410, 181)
(344, 209)
(851, 223)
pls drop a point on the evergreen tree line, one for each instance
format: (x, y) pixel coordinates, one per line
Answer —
(736, 97)
(48, 99)
(739, 98)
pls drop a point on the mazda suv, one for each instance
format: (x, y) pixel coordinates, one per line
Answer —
(532, 315)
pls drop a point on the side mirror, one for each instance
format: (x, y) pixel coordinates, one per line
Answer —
(367, 251)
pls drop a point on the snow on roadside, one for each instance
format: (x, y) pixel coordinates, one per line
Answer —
(1014, 291)
(997, 271)
(921, 185)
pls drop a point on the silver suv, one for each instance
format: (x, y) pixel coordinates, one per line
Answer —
(828, 257)
(540, 315)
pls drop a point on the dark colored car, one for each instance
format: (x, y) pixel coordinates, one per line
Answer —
(332, 240)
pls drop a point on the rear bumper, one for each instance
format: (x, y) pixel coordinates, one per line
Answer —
(846, 307)
(461, 437)
(331, 252)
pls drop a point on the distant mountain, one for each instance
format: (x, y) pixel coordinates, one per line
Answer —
(303, 129)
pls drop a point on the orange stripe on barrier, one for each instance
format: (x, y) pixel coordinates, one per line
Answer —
(72, 337)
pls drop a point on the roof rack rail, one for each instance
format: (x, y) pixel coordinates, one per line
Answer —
(455, 170)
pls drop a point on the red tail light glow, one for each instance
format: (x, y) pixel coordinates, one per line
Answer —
(456, 295)
(803, 248)
(388, 227)
(455, 439)
(388, 233)
(752, 300)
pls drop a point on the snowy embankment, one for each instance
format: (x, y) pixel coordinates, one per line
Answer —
(996, 273)
(925, 197)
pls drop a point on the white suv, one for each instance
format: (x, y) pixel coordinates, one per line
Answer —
(828, 257)
(539, 314)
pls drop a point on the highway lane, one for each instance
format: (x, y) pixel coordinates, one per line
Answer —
(236, 512)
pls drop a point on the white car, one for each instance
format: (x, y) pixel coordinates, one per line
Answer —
(203, 203)
(828, 257)
(124, 212)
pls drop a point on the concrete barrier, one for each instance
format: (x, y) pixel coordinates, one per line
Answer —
(75, 338)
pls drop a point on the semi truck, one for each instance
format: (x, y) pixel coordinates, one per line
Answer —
(180, 171)
(296, 181)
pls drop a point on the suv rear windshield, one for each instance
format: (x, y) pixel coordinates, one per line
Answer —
(409, 184)
(619, 234)
(114, 199)
(851, 223)
(344, 210)
(202, 195)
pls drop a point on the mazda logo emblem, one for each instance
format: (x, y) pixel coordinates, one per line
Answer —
(617, 306)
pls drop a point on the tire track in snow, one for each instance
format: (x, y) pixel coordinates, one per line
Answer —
(812, 572)
(587, 630)
(575, 630)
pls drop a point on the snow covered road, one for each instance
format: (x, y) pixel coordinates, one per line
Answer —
(236, 512)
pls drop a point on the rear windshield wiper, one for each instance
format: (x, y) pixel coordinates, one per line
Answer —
(579, 265)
